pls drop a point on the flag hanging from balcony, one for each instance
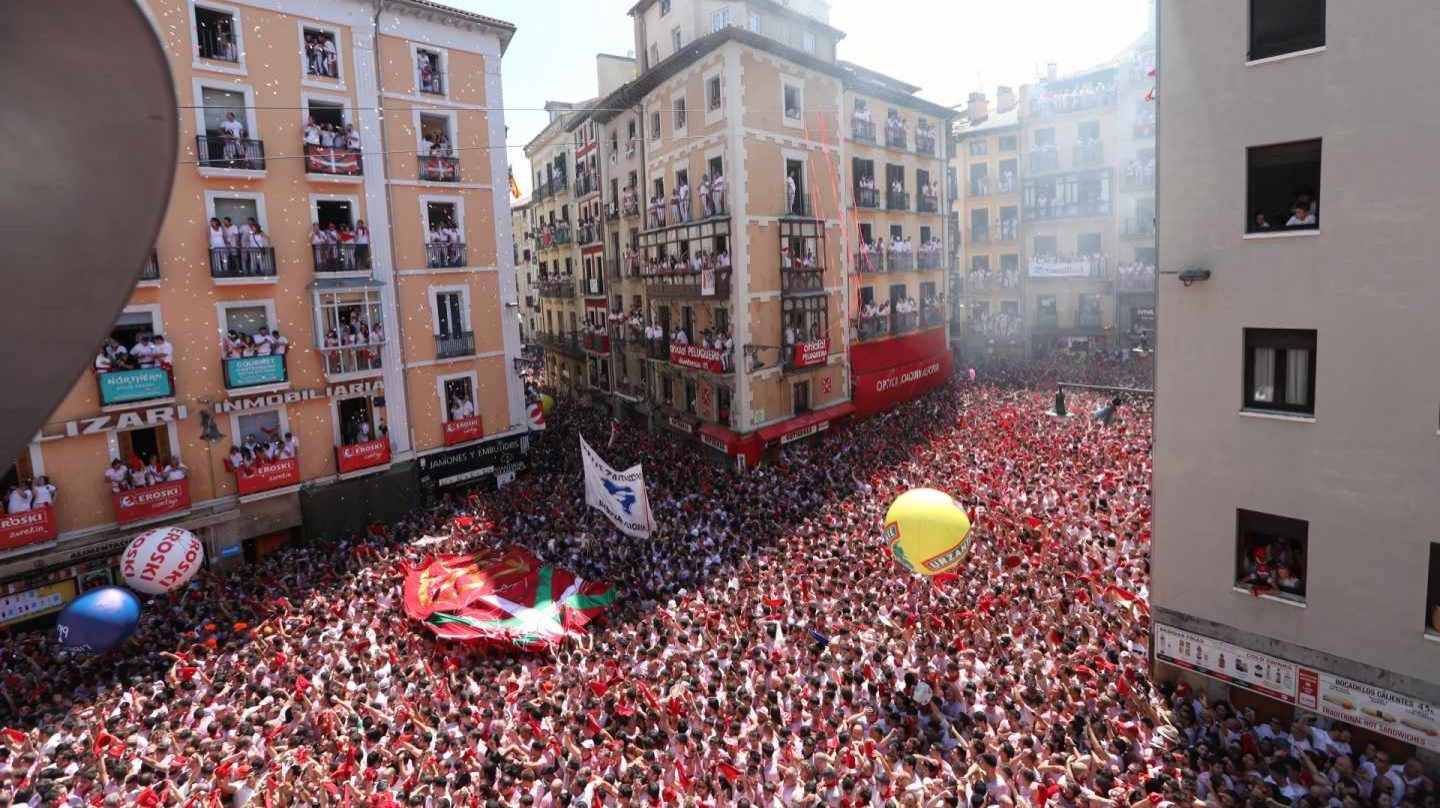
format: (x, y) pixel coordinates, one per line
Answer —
(620, 495)
(514, 186)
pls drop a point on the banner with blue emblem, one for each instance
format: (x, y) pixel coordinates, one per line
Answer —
(620, 495)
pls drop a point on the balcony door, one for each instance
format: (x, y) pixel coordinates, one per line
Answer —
(450, 313)
(246, 319)
(145, 444)
(800, 397)
(328, 212)
(360, 419)
(239, 211)
(687, 322)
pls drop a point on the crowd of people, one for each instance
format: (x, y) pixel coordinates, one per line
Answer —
(239, 250)
(354, 345)
(766, 649)
(1089, 95)
(253, 451)
(996, 324)
(330, 136)
(1136, 275)
(237, 343)
(445, 244)
(982, 278)
(321, 58)
(137, 471)
(1140, 173)
(149, 351)
(338, 247)
(677, 264)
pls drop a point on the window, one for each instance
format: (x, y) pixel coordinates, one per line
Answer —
(1270, 554)
(350, 323)
(1432, 594)
(1087, 130)
(449, 314)
(720, 19)
(978, 147)
(655, 125)
(675, 40)
(800, 397)
(1285, 26)
(679, 113)
(1089, 311)
(322, 53)
(807, 43)
(1046, 245)
(1281, 187)
(430, 71)
(1280, 370)
(216, 35)
(792, 101)
(754, 23)
(712, 93)
(1008, 143)
(1088, 244)
(664, 7)
(361, 419)
(259, 428)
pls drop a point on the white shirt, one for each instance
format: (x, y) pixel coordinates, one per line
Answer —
(20, 501)
(232, 129)
(117, 476)
(44, 495)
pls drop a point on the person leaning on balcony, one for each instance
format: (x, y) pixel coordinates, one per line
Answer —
(232, 132)
(118, 476)
(1302, 216)
(43, 493)
(312, 132)
(19, 498)
(352, 137)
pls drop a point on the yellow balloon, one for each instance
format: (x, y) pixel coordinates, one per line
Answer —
(928, 531)
(547, 404)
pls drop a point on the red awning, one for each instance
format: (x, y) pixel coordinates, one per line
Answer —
(809, 423)
(719, 437)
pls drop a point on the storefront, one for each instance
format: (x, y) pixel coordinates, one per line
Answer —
(1280, 687)
(744, 449)
(804, 426)
(497, 460)
(893, 371)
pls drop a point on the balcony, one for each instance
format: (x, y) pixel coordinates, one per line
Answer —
(348, 361)
(873, 261)
(243, 264)
(1087, 319)
(903, 322)
(446, 256)
(1138, 176)
(980, 186)
(557, 288)
(565, 343)
(694, 357)
(1139, 228)
(979, 236)
(1068, 210)
(353, 458)
(233, 154)
(436, 168)
(588, 233)
(596, 343)
(1009, 231)
(151, 502)
(1043, 160)
(932, 316)
(925, 142)
(556, 238)
(806, 354)
(929, 204)
(594, 286)
(802, 280)
(862, 131)
(1060, 101)
(130, 386)
(897, 200)
(341, 257)
(333, 161)
(1087, 155)
(1135, 278)
(799, 208)
(895, 135)
(452, 346)
(263, 476)
(151, 270)
(867, 198)
(612, 211)
(586, 184)
(630, 209)
(871, 327)
(689, 285)
(930, 260)
(612, 269)
(255, 371)
(1090, 267)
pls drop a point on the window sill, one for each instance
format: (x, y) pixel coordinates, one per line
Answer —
(220, 66)
(1285, 56)
(335, 178)
(231, 173)
(254, 280)
(1297, 604)
(1283, 233)
(1277, 416)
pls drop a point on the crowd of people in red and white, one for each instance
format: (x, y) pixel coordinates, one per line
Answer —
(28, 494)
(237, 344)
(1136, 275)
(149, 351)
(1089, 95)
(765, 651)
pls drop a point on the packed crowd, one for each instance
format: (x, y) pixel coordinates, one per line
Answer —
(331, 136)
(982, 278)
(1090, 95)
(766, 650)
(149, 351)
(237, 344)
(321, 58)
(239, 249)
(253, 451)
(338, 247)
(137, 471)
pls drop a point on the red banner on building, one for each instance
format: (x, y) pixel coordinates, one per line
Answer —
(267, 476)
(329, 160)
(152, 501)
(814, 352)
(876, 392)
(693, 356)
(28, 527)
(357, 456)
(463, 429)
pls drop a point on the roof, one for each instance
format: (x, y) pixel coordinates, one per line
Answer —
(561, 122)
(996, 120)
(634, 92)
(777, 7)
(858, 82)
(582, 112)
(505, 30)
(877, 76)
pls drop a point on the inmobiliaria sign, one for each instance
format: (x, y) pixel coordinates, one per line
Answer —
(267, 476)
(357, 456)
(814, 352)
(27, 527)
(152, 501)
(693, 356)
(464, 429)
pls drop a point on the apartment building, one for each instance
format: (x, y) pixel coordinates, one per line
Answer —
(526, 268)
(553, 210)
(984, 176)
(1295, 562)
(346, 308)
(739, 295)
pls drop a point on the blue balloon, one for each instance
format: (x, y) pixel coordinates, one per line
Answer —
(98, 620)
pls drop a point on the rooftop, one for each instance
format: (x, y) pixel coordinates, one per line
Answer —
(505, 30)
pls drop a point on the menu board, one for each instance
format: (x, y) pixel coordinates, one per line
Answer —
(1242, 667)
(35, 602)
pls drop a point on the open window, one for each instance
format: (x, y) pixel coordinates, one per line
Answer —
(240, 248)
(252, 348)
(793, 102)
(150, 455)
(444, 235)
(361, 419)
(453, 334)
(352, 331)
(713, 97)
(805, 319)
(1271, 554)
(322, 52)
(1280, 370)
(678, 104)
(332, 143)
(229, 138)
(1282, 186)
(339, 240)
(430, 71)
(136, 362)
(1432, 594)
(439, 160)
(217, 34)
(20, 486)
(800, 397)
(1278, 27)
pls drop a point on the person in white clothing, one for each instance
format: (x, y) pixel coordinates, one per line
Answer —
(312, 133)
(233, 133)
(43, 493)
(291, 446)
(790, 193)
(19, 500)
